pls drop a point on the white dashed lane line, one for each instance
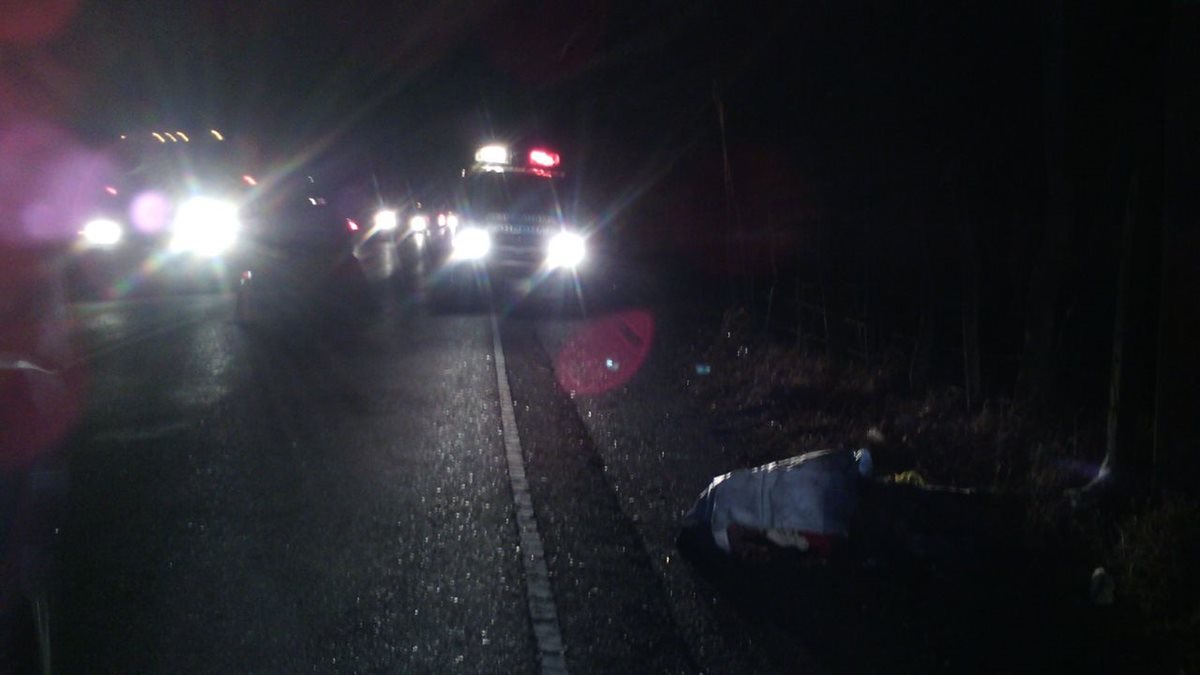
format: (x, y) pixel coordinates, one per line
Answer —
(542, 610)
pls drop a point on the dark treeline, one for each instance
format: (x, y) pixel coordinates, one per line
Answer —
(965, 194)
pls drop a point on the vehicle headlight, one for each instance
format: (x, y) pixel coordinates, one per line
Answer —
(205, 226)
(566, 249)
(418, 223)
(471, 243)
(385, 220)
(102, 232)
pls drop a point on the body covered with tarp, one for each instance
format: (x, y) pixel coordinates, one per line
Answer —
(804, 502)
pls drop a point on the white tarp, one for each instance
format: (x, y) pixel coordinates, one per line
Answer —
(811, 494)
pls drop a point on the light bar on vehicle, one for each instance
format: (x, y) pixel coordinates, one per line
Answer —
(543, 158)
(492, 154)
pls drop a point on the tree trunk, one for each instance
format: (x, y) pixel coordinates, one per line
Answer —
(733, 225)
(1037, 378)
(831, 313)
(1129, 448)
(1132, 379)
(1112, 454)
(970, 316)
(922, 358)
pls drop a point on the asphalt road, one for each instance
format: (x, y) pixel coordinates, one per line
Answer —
(301, 501)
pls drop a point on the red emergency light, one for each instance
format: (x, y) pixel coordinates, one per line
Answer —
(543, 158)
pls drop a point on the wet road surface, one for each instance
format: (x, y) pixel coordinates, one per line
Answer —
(246, 502)
(302, 501)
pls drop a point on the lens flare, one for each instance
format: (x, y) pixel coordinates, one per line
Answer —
(150, 212)
(605, 353)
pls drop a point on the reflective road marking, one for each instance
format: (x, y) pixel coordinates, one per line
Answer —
(542, 610)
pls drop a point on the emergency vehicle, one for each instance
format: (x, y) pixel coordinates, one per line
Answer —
(512, 222)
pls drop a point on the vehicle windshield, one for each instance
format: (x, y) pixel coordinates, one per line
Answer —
(296, 212)
(512, 193)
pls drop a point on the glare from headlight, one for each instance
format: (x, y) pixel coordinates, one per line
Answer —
(102, 232)
(471, 243)
(386, 220)
(566, 249)
(205, 226)
(418, 223)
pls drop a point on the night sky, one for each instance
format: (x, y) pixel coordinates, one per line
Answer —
(836, 88)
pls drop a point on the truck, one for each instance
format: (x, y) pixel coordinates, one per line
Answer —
(511, 225)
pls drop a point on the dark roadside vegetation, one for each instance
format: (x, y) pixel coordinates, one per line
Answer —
(997, 579)
(1004, 302)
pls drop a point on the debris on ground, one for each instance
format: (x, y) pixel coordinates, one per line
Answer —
(804, 503)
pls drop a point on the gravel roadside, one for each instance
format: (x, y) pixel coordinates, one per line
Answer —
(659, 451)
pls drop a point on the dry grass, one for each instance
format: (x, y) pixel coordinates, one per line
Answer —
(788, 401)
(1154, 555)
